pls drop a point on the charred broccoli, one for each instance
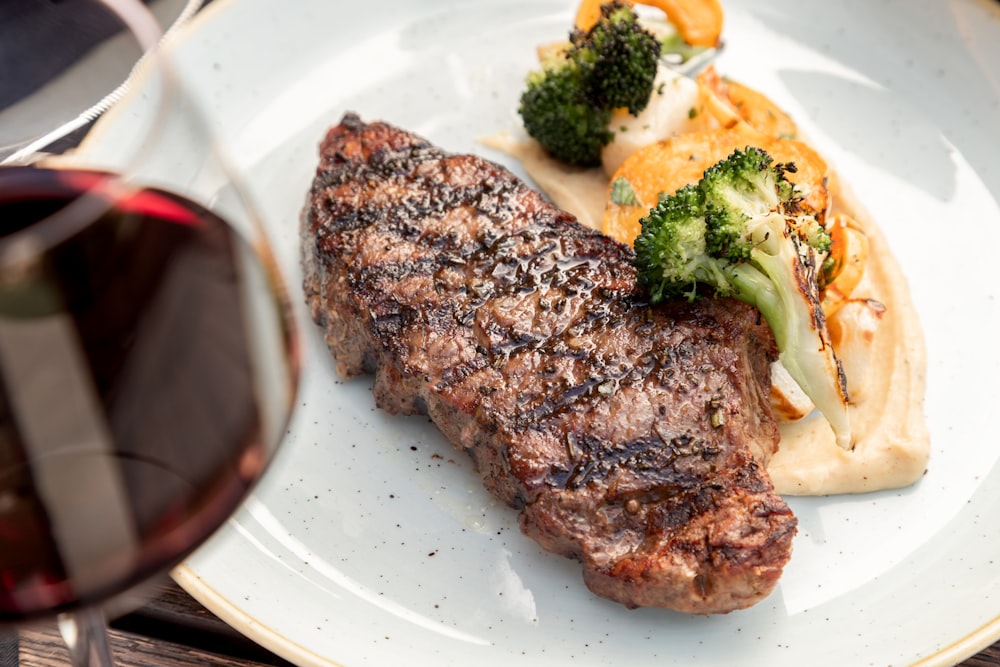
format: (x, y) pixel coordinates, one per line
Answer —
(618, 58)
(567, 105)
(738, 232)
(558, 115)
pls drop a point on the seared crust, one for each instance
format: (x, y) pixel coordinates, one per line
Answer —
(630, 437)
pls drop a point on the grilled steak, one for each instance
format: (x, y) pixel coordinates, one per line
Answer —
(632, 438)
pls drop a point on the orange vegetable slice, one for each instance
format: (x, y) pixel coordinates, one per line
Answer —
(849, 251)
(699, 22)
(714, 95)
(667, 166)
(663, 168)
(730, 101)
(760, 112)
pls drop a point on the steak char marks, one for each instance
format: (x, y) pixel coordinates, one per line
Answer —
(632, 438)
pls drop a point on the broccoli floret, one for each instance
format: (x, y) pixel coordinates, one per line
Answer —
(618, 58)
(738, 233)
(559, 116)
(567, 105)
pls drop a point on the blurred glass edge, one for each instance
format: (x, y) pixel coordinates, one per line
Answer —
(77, 78)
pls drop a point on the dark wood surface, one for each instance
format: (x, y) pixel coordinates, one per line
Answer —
(988, 658)
(172, 630)
(175, 631)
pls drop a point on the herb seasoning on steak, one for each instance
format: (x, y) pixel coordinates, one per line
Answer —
(632, 438)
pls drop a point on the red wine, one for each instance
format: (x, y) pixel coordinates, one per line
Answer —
(132, 421)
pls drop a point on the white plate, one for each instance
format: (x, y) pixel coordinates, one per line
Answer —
(372, 542)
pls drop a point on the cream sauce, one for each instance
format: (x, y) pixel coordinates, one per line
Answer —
(891, 444)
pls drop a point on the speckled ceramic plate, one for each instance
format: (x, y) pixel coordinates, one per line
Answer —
(372, 543)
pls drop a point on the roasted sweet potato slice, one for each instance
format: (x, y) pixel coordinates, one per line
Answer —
(699, 22)
(666, 166)
(848, 255)
(760, 112)
(730, 101)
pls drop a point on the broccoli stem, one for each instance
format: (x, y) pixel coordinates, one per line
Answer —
(789, 302)
(738, 230)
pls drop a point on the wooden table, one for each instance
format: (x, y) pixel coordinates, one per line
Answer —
(175, 631)
(170, 631)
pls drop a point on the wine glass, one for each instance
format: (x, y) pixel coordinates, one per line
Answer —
(148, 360)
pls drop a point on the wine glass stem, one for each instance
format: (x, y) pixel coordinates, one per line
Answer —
(86, 635)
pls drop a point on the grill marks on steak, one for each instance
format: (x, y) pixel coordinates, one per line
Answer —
(631, 438)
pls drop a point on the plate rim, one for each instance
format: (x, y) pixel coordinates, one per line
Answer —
(240, 620)
(276, 642)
